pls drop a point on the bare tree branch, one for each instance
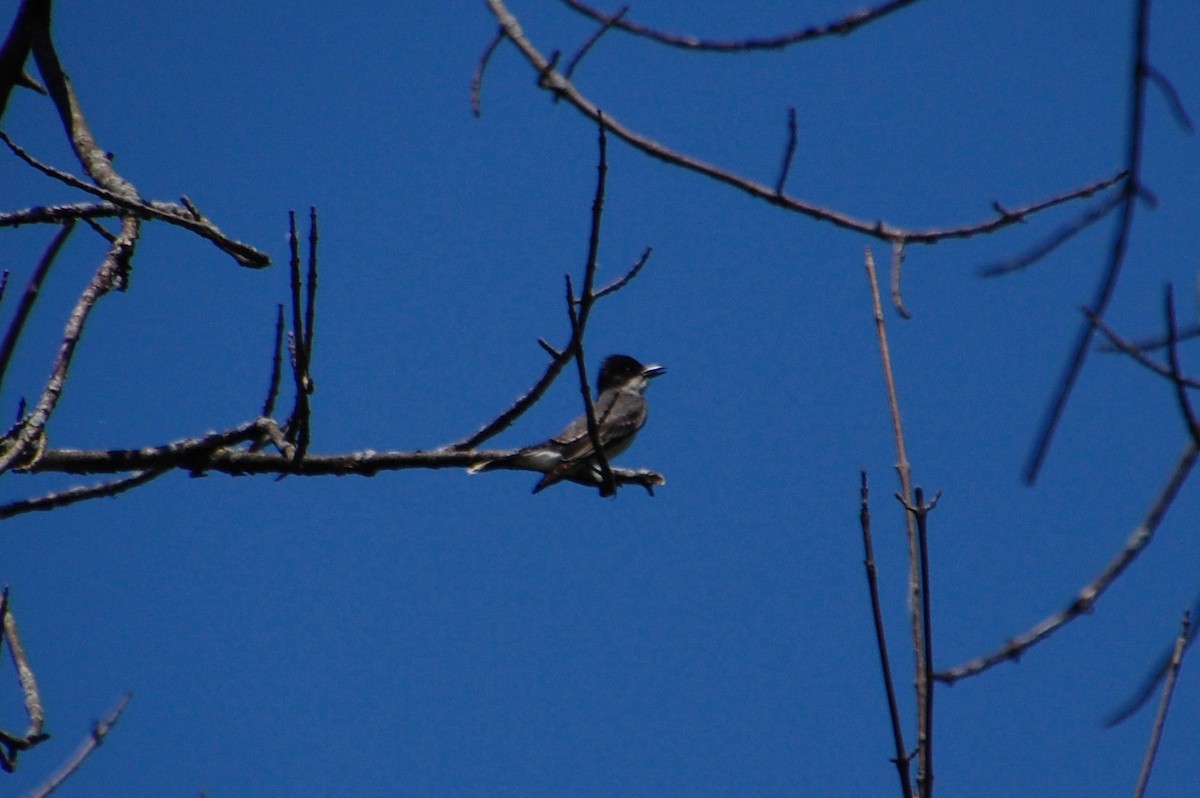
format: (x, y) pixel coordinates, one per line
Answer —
(99, 731)
(1160, 719)
(79, 493)
(554, 82)
(840, 27)
(902, 758)
(1108, 282)
(1087, 597)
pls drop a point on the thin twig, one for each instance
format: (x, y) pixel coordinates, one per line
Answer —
(244, 254)
(1174, 101)
(897, 264)
(1160, 719)
(608, 486)
(32, 291)
(925, 734)
(605, 26)
(1185, 404)
(297, 427)
(477, 78)
(620, 282)
(904, 471)
(789, 152)
(1055, 239)
(1135, 351)
(579, 318)
(276, 365)
(310, 298)
(902, 757)
(1130, 190)
(99, 731)
(840, 27)
(1157, 673)
(1086, 598)
(79, 493)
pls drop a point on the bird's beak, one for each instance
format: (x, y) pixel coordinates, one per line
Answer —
(653, 371)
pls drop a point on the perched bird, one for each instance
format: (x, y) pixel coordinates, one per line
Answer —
(620, 413)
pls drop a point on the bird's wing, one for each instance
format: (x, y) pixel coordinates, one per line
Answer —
(618, 415)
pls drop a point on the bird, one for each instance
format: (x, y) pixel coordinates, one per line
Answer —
(621, 410)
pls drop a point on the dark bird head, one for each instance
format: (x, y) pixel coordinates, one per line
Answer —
(619, 370)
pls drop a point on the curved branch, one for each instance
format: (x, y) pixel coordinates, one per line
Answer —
(553, 81)
(1090, 593)
(841, 27)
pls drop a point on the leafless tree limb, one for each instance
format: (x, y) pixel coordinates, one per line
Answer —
(79, 493)
(840, 27)
(556, 83)
(177, 215)
(1086, 598)
(1130, 191)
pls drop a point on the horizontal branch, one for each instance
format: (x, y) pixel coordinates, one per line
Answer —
(189, 457)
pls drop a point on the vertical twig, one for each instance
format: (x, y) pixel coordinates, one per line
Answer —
(579, 317)
(902, 758)
(903, 470)
(925, 734)
(789, 152)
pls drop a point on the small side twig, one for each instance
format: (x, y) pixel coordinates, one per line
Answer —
(481, 67)
(897, 264)
(1117, 343)
(1173, 99)
(99, 731)
(79, 493)
(1160, 719)
(276, 364)
(1056, 239)
(604, 28)
(789, 152)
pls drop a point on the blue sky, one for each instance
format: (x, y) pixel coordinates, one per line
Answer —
(430, 633)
